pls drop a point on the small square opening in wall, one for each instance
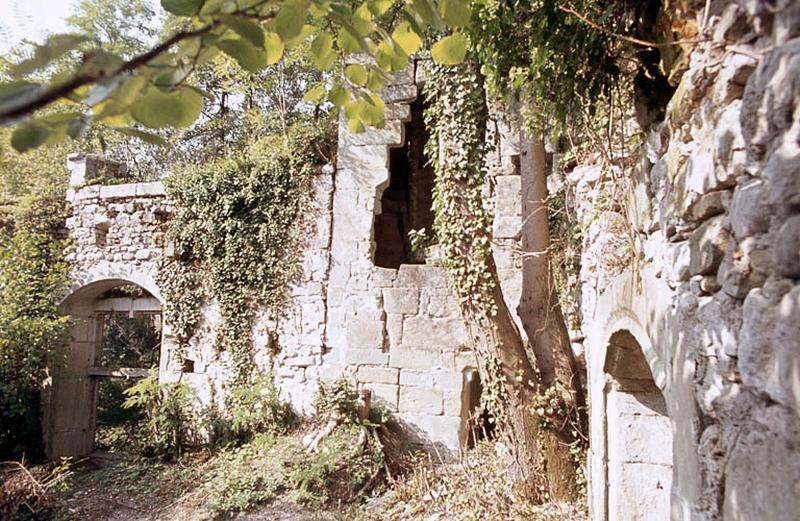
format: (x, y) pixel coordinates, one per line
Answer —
(406, 203)
(187, 366)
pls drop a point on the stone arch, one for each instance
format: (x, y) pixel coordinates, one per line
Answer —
(638, 434)
(70, 395)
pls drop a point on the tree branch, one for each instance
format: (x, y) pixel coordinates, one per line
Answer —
(628, 39)
(55, 93)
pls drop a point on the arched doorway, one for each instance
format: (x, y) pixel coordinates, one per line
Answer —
(638, 437)
(115, 338)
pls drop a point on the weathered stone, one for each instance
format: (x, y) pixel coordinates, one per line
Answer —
(749, 215)
(786, 249)
(420, 400)
(707, 246)
(384, 395)
(366, 356)
(709, 205)
(378, 375)
(416, 378)
(409, 358)
(401, 300)
(448, 333)
(365, 333)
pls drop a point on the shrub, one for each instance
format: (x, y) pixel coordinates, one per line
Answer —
(168, 415)
(242, 479)
(258, 409)
(32, 278)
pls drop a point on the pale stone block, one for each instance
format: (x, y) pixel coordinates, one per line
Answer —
(383, 277)
(451, 403)
(365, 158)
(384, 395)
(153, 189)
(447, 333)
(465, 360)
(118, 191)
(448, 380)
(390, 135)
(394, 329)
(366, 356)
(508, 195)
(365, 333)
(428, 430)
(421, 276)
(401, 300)
(420, 400)
(506, 227)
(406, 358)
(416, 378)
(378, 375)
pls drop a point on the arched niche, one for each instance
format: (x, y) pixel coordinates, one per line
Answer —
(70, 396)
(638, 435)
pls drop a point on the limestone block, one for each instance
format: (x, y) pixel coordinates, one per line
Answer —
(416, 378)
(770, 97)
(429, 430)
(749, 215)
(390, 135)
(763, 468)
(383, 277)
(506, 227)
(153, 189)
(378, 375)
(639, 491)
(410, 358)
(707, 246)
(365, 159)
(702, 176)
(465, 360)
(420, 400)
(394, 329)
(447, 380)
(366, 356)
(397, 93)
(786, 249)
(301, 361)
(709, 205)
(421, 276)
(365, 333)
(447, 333)
(508, 198)
(769, 348)
(401, 300)
(384, 395)
(399, 111)
(118, 191)
(452, 403)
(782, 171)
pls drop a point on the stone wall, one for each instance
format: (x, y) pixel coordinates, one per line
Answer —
(707, 284)
(397, 332)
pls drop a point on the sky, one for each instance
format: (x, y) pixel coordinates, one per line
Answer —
(32, 19)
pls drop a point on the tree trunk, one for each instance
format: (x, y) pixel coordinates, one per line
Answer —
(539, 309)
(539, 453)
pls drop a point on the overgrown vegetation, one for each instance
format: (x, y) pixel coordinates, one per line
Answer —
(238, 226)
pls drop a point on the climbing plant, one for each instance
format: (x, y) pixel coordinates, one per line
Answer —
(237, 230)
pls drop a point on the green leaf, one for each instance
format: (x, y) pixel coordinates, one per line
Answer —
(305, 32)
(218, 6)
(314, 95)
(390, 58)
(248, 55)
(362, 20)
(356, 73)
(378, 7)
(55, 46)
(348, 43)
(450, 50)
(375, 81)
(322, 51)
(290, 20)
(244, 28)
(274, 46)
(338, 95)
(158, 109)
(426, 11)
(147, 137)
(17, 93)
(182, 7)
(406, 38)
(29, 136)
(456, 13)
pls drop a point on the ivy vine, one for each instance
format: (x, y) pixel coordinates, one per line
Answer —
(237, 231)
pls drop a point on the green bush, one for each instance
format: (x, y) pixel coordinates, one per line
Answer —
(32, 278)
(258, 409)
(242, 479)
(168, 415)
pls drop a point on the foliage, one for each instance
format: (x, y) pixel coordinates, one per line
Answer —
(344, 469)
(456, 94)
(32, 278)
(258, 409)
(237, 228)
(152, 88)
(168, 413)
(337, 395)
(242, 479)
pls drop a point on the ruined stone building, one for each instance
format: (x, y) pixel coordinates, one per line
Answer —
(690, 303)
